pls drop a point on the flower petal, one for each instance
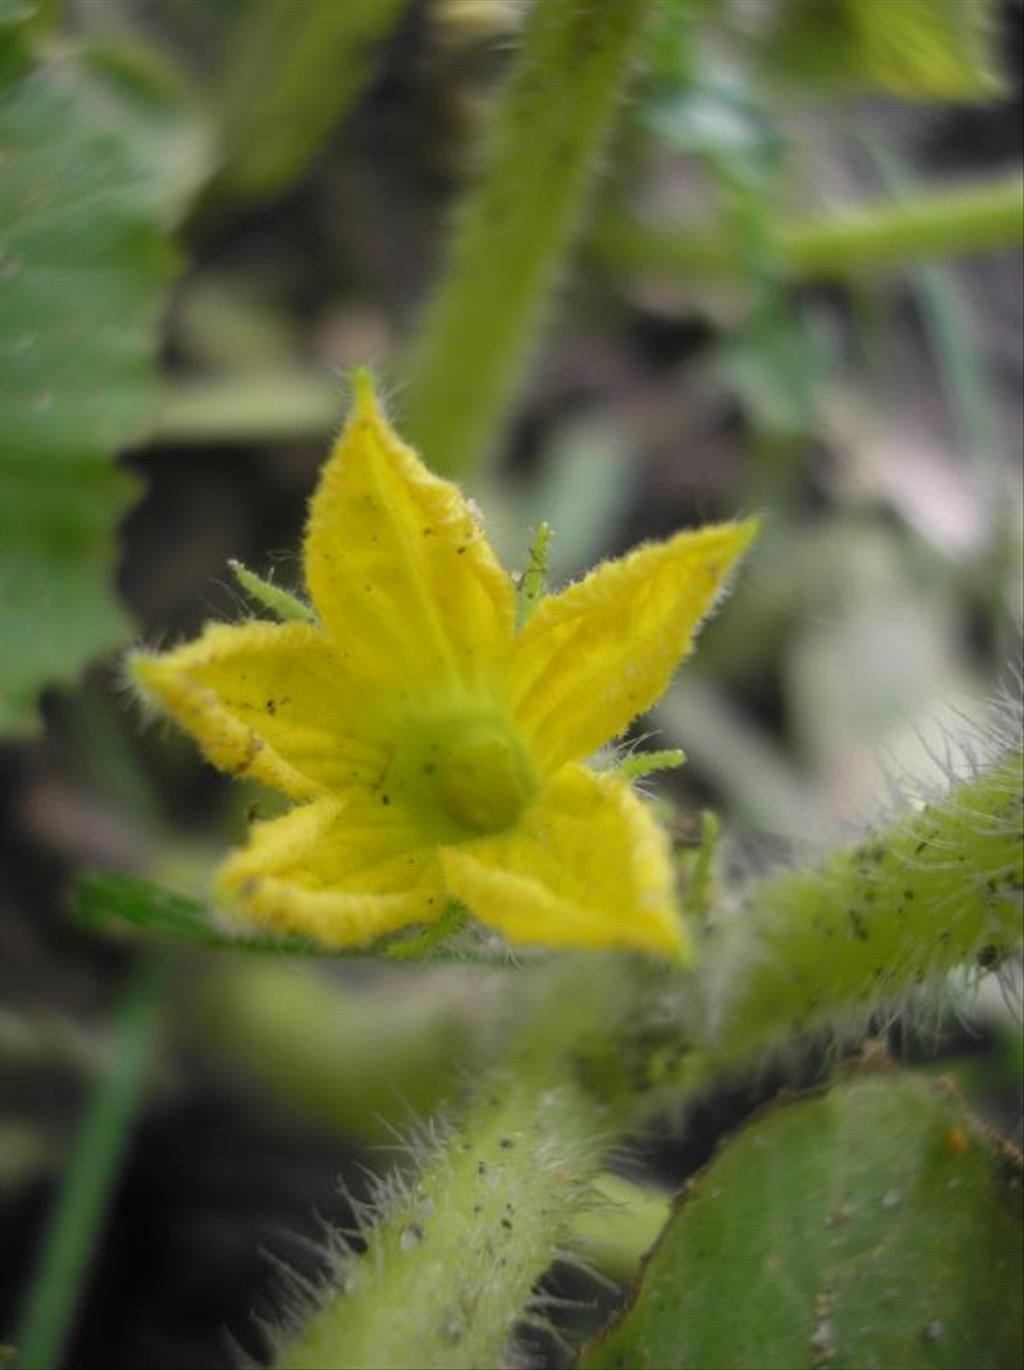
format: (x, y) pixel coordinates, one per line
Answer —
(340, 873)
(586, 866)
(270, 701)
(593, 657)
(398, 567)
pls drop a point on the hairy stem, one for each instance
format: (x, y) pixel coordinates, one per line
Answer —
(385, 1053)
(968, 219)
(547, 135)
(936, 890)
(450, 1267)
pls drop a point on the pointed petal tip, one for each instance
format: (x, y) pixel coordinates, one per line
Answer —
(737, 534)
(748, 528)
(141, 675)
(139, 668)
(364, 391)
(738, 537)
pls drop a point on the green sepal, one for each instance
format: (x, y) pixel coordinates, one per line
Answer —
(533, 583)
(699, 894)
(281, 603)
(646, 763)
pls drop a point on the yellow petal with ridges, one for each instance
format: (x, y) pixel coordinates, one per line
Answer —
(342, 874)
(399, 569)
(586, 866)
(594, 656)
(269, 701)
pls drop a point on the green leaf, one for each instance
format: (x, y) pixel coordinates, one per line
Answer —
(876, 1225)
(918, 49)
(103, 900)
(97, 162)
(719, 117)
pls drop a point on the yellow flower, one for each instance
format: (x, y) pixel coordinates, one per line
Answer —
(434, 751)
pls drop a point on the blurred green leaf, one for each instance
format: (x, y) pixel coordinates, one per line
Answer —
(775, 367)
(97, 162)
(918, 49)
(19, 21)
(104, 899)
(878, 1224)
(295, 70)
(718, 118)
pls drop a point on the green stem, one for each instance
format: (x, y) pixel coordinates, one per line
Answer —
(91, 1176)
(967, 219)
(295, 70)
(451, 1266)
(935, 891)
(547, 135)
(253, 407)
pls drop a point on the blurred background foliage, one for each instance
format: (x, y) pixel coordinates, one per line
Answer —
(794, 286)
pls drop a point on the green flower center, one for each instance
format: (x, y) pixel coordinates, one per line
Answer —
(462, 776)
